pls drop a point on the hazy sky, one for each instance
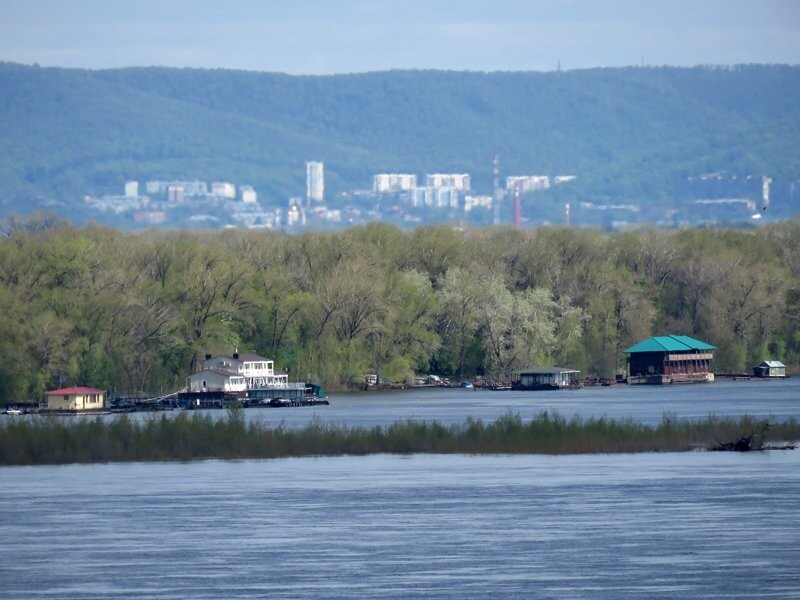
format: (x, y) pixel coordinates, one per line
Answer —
(345, 36)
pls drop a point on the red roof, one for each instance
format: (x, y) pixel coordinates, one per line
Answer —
(71, 391)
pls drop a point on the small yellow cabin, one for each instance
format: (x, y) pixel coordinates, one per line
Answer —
(76, 398)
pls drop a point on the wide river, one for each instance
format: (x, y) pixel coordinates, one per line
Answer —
(684, 525)
(778, 399)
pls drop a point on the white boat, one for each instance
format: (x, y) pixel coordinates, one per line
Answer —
(249, 379)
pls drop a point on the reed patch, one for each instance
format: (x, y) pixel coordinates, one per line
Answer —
(53, 440)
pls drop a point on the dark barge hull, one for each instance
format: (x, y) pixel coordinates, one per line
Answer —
(202, 400)
(311, 395)
(283, 402)
(544, 387)
(673, 379)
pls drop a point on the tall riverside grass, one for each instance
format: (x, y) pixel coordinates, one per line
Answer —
(48, 440)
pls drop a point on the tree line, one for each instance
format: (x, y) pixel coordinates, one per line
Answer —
(136, 313)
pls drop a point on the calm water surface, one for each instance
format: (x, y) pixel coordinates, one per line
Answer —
(768, 399)
(689, 525)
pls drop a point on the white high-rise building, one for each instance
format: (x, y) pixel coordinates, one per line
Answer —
(223, 189)
(457, 181)
(315, 182)
(132, 189)
(527, 183)
(471, 202)
(393, 182)
(176, 193)
(421, 196)
(445, 197)
(248, 194)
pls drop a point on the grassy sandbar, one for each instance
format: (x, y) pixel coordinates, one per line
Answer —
(46, 440)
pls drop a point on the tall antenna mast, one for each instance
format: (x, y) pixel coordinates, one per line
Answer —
(496, 188)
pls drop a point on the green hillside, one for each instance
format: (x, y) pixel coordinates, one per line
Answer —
(631, 133)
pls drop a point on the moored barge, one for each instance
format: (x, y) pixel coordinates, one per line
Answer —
(670, 359)
(248, 380)
(546, 378)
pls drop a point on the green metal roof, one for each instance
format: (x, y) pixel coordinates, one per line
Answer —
(669, 343)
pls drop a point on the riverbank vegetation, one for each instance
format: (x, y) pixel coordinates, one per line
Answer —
(52, 440)
(136, 313)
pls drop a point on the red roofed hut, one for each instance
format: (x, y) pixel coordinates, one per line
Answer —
(76, 399)
(670, 359)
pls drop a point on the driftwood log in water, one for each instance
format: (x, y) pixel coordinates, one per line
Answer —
(754, 441)
(744, 444)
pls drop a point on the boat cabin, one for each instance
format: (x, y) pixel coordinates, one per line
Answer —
(246, 378)
(216, 380)
(236, 373)
(770, 368)
(545, 378)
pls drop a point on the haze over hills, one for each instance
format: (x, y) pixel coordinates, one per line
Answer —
(628, 134)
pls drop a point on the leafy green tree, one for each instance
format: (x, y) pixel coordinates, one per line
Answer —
(570, 323)
(405, 339)
(461, 296)
(518, 329)
(435, 250)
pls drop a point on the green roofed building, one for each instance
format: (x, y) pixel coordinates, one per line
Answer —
(670, 359)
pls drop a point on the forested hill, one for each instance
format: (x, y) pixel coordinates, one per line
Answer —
(627, 133)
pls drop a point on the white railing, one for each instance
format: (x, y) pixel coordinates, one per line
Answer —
(277, 386)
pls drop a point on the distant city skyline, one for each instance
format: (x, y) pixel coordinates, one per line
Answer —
(351, 36)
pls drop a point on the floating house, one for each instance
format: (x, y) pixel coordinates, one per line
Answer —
(670, 359)
(248, 378)
(545, 378)
(770, 368)
(216, 380)
(236, 373)
(76, 399)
